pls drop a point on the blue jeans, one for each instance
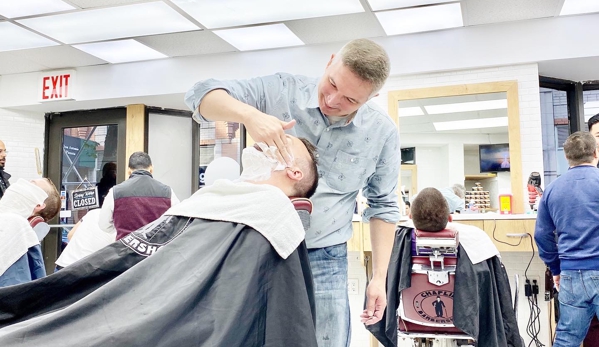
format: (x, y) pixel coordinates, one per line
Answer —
(578, 303)
(329, 268)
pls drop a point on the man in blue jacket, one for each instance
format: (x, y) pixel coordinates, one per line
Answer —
(570, 209)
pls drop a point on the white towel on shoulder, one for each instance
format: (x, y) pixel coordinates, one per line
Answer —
(16, 236)
(260, 206)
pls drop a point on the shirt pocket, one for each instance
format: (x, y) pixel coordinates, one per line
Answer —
(348, 172)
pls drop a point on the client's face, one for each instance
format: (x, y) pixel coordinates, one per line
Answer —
(259, 161)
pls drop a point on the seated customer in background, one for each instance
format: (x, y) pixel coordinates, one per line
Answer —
(20, 252)
(85, 238)
(226, 267)
(482, 308)
(455, 197)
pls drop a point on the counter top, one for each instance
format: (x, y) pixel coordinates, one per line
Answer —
(491, 216)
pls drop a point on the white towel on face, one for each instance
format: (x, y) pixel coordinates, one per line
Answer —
(260, 206)
(21, 198)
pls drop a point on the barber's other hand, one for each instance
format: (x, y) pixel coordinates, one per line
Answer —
(376, 301)
(270, 130)
(556, 282)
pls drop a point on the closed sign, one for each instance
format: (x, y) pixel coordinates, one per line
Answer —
(85, 198)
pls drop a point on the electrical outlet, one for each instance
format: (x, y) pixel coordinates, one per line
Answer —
(535, 277)
(353, 286)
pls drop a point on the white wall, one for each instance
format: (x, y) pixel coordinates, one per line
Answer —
(22, 132)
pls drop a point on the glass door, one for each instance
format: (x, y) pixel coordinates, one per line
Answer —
(85, 149)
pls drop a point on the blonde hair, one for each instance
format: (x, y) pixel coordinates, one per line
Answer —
(367, 60)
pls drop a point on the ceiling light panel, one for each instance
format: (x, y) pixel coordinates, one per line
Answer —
(22, 8)
(230, 13)
(120, 51)
(579, 6)
(260, 37)
(111, 23)
(378, 5)
(419, 19)
(471, 124)
(410, 111)
(466, 106)
(13, 37)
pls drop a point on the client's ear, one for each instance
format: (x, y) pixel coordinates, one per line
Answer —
(294, 173)
(39, 207)
(450, 218)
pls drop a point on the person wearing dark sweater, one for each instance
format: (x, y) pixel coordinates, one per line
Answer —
(569, 209)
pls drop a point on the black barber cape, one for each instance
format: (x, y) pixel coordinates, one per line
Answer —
(181, 282)
(482, 298)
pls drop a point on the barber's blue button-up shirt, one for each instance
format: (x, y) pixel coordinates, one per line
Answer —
(363, 154)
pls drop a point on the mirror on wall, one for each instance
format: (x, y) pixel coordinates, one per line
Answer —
(466, 134)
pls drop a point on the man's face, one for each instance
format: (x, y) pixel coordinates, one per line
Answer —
(42, 183)
(340, 91)
(2, 154)
(595, 132)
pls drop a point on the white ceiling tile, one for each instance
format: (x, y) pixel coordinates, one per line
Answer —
(13, 64)
(188, 43)
(111, 23)
(121, 51)
(22, 8)
(477, 12)
(377, 5)
(104, 3)
(579, 6)
(58, 57)
(336, 28)
(231, 13)
(260, 37)
(419, 19)
(14, 37)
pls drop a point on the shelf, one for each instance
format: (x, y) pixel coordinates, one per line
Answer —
(479, 177)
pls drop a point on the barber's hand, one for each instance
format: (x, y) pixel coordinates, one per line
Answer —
(376, 301)
(556, 282)
(270, 130)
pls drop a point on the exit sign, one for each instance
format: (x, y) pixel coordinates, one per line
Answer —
(57, 85)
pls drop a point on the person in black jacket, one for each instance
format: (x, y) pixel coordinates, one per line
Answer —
(4, 176)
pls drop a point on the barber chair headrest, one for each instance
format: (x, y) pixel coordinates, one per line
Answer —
(444, 242)
(39, 225)
(303, 207)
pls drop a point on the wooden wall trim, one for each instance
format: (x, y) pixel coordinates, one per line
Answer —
(135, 130)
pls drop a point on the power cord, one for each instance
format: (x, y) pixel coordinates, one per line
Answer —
(505, 243)
(531, 291)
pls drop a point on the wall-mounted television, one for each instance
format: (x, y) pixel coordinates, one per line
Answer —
(494, 158)
(408, 155)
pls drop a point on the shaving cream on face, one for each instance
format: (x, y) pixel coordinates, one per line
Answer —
(257, 165)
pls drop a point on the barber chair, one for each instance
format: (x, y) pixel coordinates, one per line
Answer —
(426, 308)
(303, 207)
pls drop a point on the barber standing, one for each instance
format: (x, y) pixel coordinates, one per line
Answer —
(358, 148)
(4, 176)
